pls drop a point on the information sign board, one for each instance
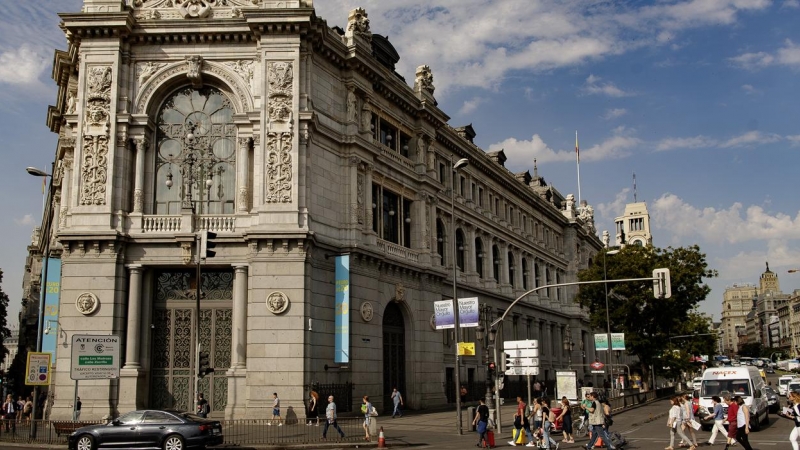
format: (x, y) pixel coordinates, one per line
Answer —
(95, 357)
(38, 371)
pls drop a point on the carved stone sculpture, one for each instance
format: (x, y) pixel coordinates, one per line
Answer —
(281, 82)
(606, 238)
(277, 302)
(358, 25)
(197, 9)
(424, 80)
(279, 167)
(352, 106)
(194, 75)
(366, 117)
(94, 166)
(586, 214)
(570, 202)
(87, 303)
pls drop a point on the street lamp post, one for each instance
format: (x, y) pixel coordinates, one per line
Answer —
(48, 223)
(608, 315)
(460, 164)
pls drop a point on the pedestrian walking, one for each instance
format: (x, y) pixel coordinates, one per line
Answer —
(276, 410)
(202, 406)
(566, 421)
(20, 406)
(536, 413)
(366, 408)
(481, 421)
(743, 424)
(547, 417)
(27, 409)
(719, 418)
(597, 418)
(397, 399)
(733, 410)
(537, 389)
(311, 412)
(688, 416)
(675, 423)
(330, 419)
(76, 413)
(463, 393)
(10, 414)
(794, 397)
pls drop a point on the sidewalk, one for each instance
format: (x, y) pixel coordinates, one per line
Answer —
(438, 430)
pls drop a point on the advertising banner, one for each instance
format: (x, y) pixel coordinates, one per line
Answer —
(443, 311)
(51, 297)
(468, 315)
(600, 342)
(342, 313)
(617, 341)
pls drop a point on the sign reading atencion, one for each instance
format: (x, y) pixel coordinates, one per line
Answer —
(95, 357)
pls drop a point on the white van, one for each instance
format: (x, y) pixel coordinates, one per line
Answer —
(783, 381)
(744, 381)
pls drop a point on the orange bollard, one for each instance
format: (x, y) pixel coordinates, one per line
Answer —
(381, 439)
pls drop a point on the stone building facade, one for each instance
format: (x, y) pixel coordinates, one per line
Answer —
(296, 143)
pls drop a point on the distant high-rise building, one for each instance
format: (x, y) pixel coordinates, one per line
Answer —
(737, 302)
(633, 228)
(769, 282)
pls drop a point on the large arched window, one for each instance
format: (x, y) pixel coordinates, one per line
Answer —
(196, 145)
(479, 256)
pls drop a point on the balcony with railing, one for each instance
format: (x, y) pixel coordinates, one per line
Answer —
(398, 251)
(221, 223)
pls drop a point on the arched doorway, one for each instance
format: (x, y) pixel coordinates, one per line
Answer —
(394, 353)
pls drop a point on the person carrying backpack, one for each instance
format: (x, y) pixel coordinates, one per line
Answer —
(202, 406)
(597, 419)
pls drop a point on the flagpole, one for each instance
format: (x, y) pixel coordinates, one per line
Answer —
(578, 161)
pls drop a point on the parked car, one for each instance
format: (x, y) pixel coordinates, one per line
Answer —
(697, 382)
(167, 429)
(695, 401)
(773, 400)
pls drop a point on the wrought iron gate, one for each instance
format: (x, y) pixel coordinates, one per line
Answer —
(394, 354)
(172, 371)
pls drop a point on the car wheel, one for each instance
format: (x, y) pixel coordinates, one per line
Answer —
(173, 442)
(85, 442)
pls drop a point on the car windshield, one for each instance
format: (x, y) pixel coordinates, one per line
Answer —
(131, 418)
(784, 381)
(734, 387)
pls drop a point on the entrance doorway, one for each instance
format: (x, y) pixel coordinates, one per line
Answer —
(174, 339)
(394, 354)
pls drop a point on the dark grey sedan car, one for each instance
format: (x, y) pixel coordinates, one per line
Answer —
(164, 429)
(773, 401)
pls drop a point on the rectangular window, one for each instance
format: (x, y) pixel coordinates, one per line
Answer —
(480, 196)
(442, 173)
(462, 183)
(472, 192)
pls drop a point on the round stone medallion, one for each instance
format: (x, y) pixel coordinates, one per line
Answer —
(366, 311)
(277, 302)
(87, 303)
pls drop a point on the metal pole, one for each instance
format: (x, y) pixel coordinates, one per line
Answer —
(75, 402)
(456, 321)
(608, 317)
(497, 389)
(197, 327)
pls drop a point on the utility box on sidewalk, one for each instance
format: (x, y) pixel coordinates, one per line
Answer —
(471, 418)
(373, 427)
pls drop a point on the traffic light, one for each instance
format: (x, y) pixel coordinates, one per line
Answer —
(207, 243)
(203, 364)
(661, 283)
(492, 368)
(506, 363)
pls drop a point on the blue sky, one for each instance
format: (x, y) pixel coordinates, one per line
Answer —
(698, 97)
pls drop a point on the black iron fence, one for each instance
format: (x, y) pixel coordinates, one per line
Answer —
(342, 396)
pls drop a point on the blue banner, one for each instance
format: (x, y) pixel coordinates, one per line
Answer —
(342, 311)
(52, 293)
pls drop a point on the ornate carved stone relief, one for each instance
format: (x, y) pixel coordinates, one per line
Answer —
(146, 70)
(367, 312)
(94, 167)
(194, 72)
(360, 198)
(358, 25)
(352, 106)
(277, 302)
(244, 69)
(366, 117)
(281, 84)
(279, 167)
(87, 303)
(201, 9)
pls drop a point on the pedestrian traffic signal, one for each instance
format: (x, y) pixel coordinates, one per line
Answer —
(207, 243)
(203, 363)
(661, 283)
(492, 369)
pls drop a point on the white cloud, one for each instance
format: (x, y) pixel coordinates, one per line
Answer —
(471, 105)
(690, 142)
(789, 55)
(614, 209)
(614, 113)
(522, 152)
(22, 65)
(793, 4)
(745, 263)
(732, 225)
(795, 140)
(749, 89)
(752, 61)
(593, 86)
(751, 138)
(26, 220)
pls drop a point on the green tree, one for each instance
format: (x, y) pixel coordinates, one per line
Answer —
(5, 333)
(648, 322)
(751, 349)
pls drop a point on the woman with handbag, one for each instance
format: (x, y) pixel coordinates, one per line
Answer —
(688, 417)
(675, 423)
(566, 421)
(367, 409)
(794, 397)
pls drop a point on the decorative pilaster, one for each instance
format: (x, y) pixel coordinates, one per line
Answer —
(133, 338)
(94, 164)
(243, 161)
(239, 338)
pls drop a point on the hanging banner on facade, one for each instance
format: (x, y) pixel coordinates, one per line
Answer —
(443, 313)
(468, 315)
(51, 299)
(342, 319)
(617, 341)
(600, 342)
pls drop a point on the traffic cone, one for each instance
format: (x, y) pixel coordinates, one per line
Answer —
(381, 439)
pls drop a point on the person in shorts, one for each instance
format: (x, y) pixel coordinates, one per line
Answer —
(276, 410)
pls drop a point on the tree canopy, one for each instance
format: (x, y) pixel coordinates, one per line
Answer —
(652, 325)
(4, 331)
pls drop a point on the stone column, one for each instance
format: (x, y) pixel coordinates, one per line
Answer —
(243, 163)
(239, 338)
(138, 184)
(133, 336)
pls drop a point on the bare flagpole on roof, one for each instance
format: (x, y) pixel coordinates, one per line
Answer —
(578, 161)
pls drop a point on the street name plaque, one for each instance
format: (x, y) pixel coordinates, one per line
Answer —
(95, 357)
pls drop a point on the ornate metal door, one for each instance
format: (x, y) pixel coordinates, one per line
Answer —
(394, 353)
(172, 371)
